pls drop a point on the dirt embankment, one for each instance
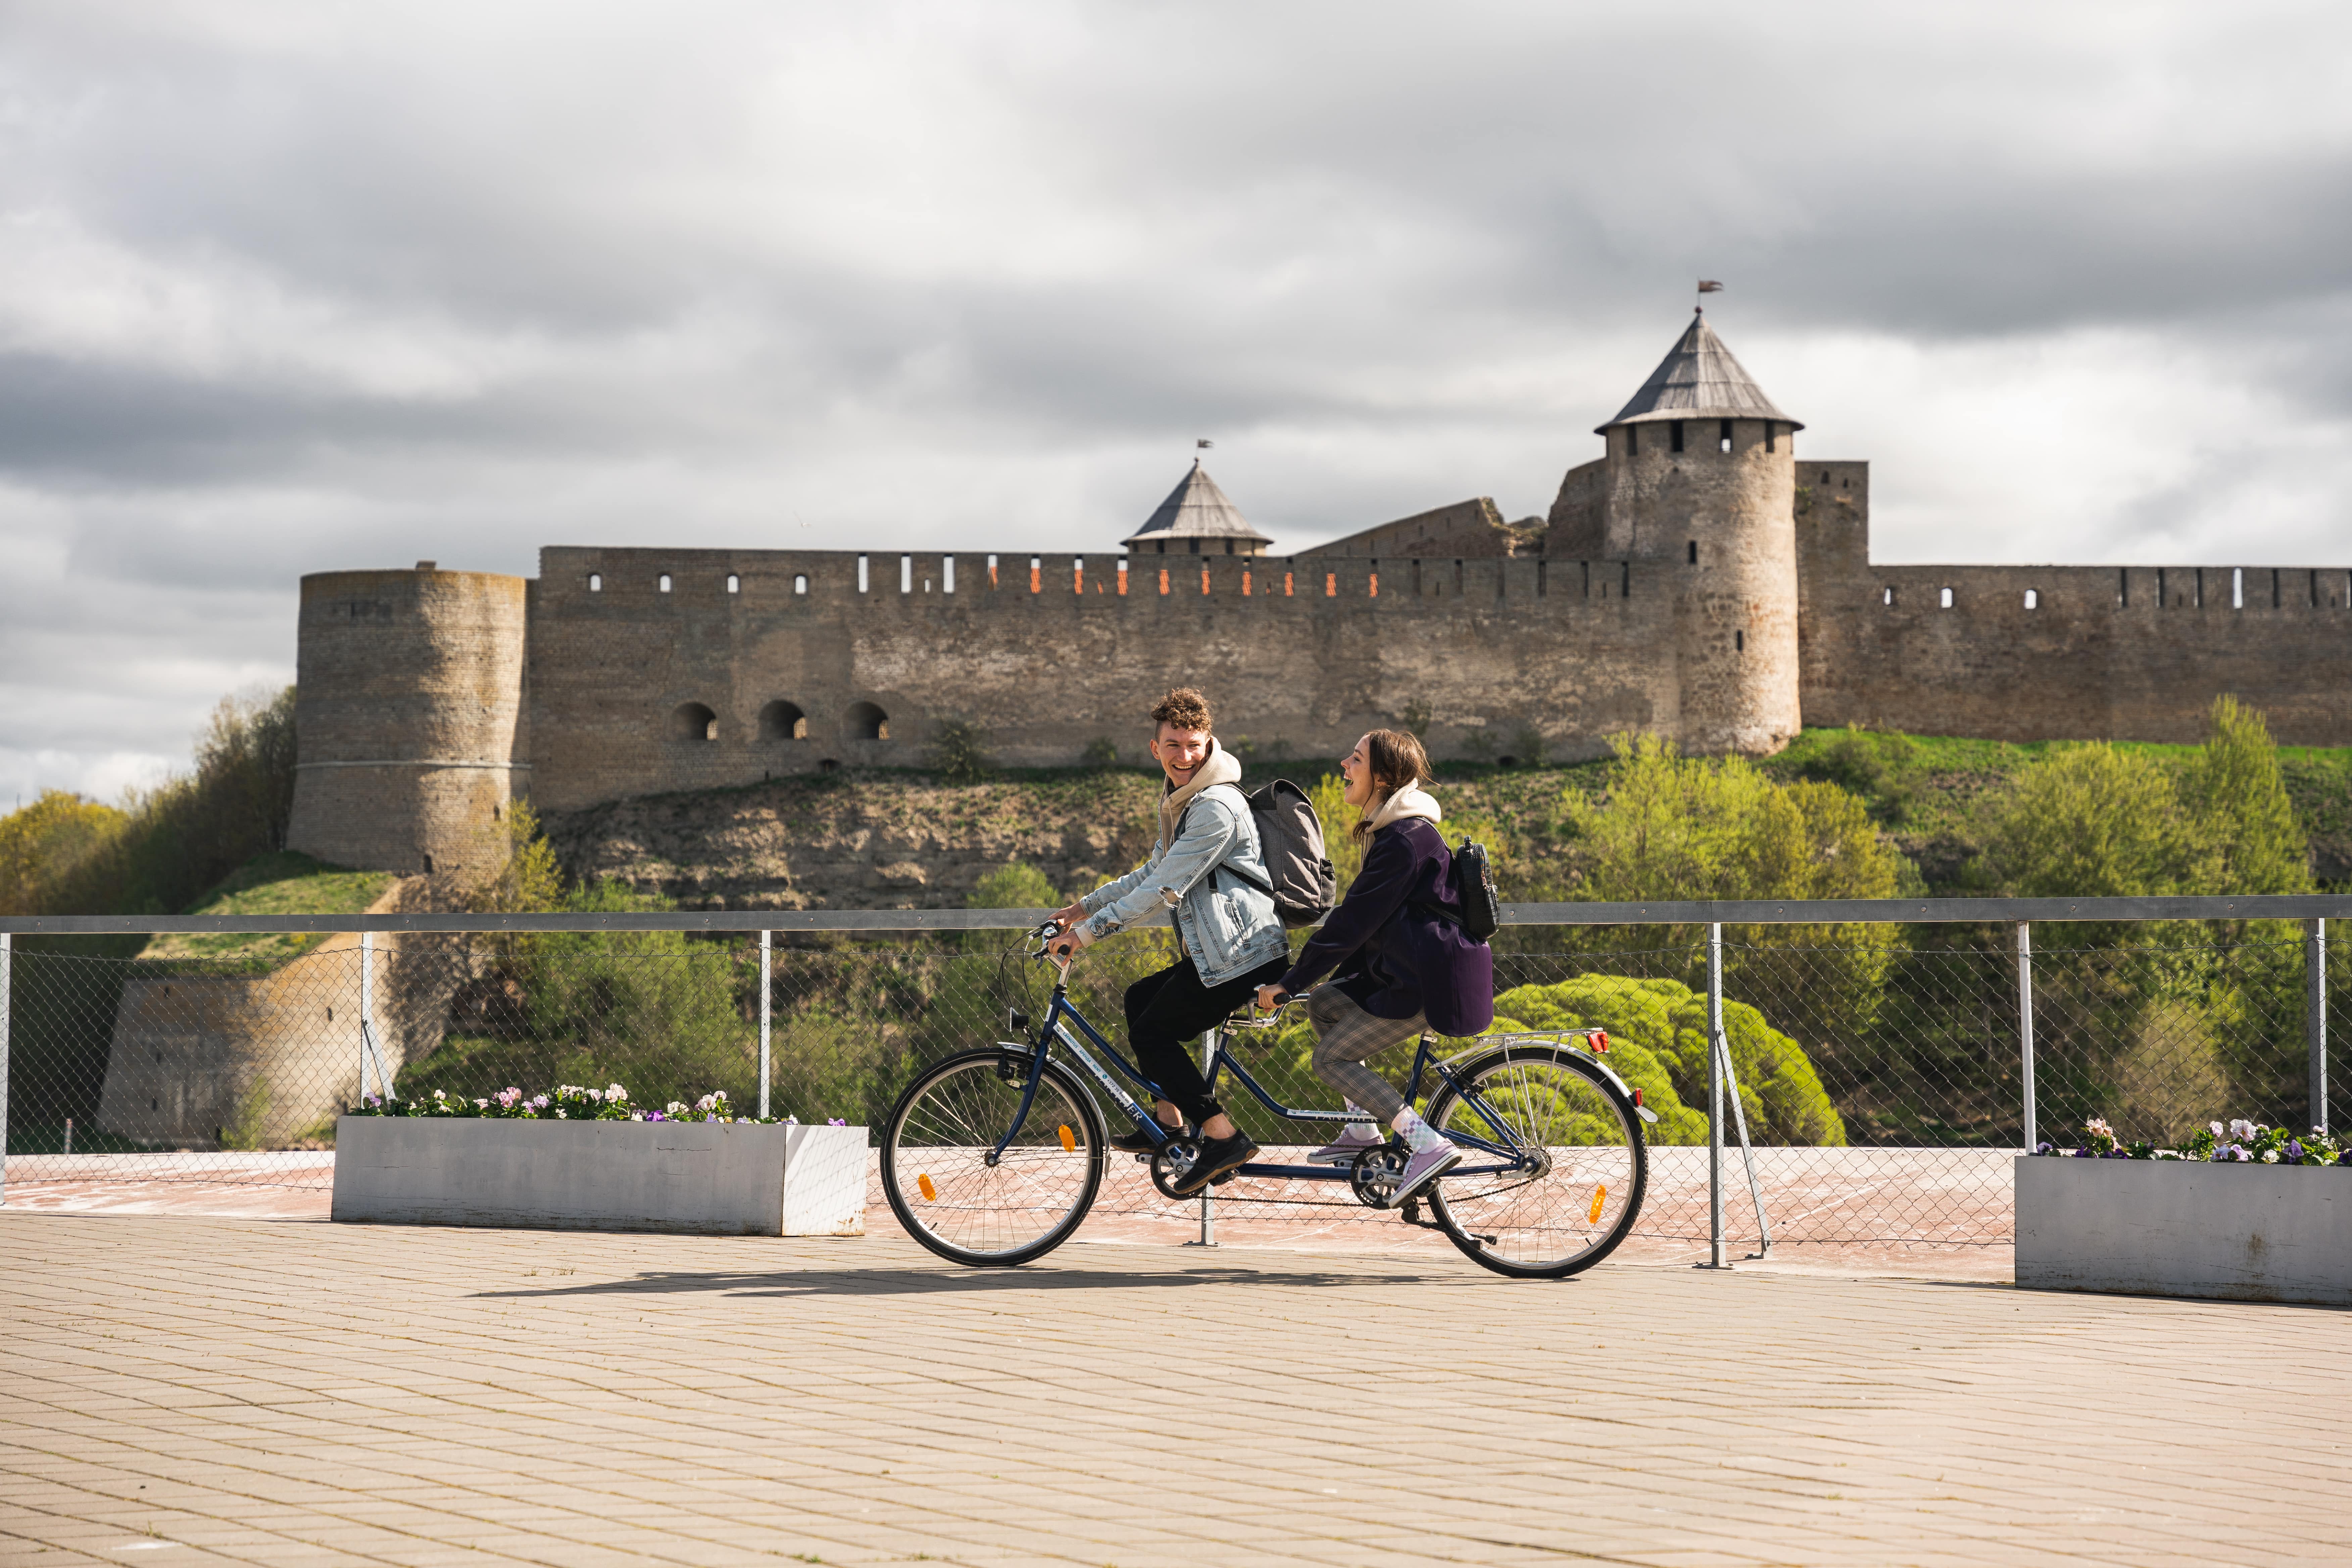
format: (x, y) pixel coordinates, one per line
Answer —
(858, 841)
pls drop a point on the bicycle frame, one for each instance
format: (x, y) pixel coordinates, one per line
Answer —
(1425, 1061)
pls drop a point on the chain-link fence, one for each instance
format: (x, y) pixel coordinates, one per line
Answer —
(1885, 1072)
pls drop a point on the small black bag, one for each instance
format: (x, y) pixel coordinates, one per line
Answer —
(1473, 884)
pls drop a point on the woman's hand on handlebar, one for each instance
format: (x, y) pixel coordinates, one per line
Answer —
(1270, 997)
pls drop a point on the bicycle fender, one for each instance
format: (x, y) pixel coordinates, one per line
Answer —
(1640, 1110)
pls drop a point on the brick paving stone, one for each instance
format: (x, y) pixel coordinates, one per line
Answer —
(311, 1393)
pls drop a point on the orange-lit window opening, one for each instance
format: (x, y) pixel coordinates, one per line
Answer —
(1077, 576)
(1163, 579)
(1204, 581)
(992, 571)
(1246, 583)
(1330, 584)
(1376, 586)
(1285, 585)
(1122, 579)
(1037, 575)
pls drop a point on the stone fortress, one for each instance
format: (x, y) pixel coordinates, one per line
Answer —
(1698, 580)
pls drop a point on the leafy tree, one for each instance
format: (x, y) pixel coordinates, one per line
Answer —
(43, 843)
(2236, 803)
(959, 753)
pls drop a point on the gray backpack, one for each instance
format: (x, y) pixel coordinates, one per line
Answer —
(1298, 878)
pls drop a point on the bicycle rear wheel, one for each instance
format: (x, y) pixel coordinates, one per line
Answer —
(1589, 1168)
(956, 1195)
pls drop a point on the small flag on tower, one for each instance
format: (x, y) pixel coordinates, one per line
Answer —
(1709, 286)
(1204, 442)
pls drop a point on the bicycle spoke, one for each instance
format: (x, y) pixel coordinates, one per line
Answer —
(1577, 1200)
(958, 1194)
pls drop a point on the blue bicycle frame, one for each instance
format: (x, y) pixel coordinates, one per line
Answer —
(1502, 1146)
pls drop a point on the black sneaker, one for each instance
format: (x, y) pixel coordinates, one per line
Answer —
(1139, 1141)
(1218, 1155)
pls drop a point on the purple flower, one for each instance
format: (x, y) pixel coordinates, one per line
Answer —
(2294, 1150)
(2043, 1147)
(835, 1121)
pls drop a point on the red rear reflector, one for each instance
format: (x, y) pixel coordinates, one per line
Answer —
(1637, 1099)
(1600, 1039)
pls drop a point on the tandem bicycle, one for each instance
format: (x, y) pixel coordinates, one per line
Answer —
(993, 1156)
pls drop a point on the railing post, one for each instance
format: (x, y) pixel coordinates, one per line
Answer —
(7, 958)
(2025, 1030)
(767, 948)
(1210, 1040)
(2314, 1014)
(367, 1015)
(1717, 1249)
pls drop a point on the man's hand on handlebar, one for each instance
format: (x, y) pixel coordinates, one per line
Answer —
(1065, 947)
(1063, 919)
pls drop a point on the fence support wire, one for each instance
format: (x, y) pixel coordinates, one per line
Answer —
(1746, 1150)
(2314, 1014)
(1716, 1250)
(767, 1002)
(2025, 1029)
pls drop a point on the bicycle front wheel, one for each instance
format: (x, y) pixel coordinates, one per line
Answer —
(956, 1195)
(1582, 1168)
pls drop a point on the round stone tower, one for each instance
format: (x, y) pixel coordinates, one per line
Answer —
(408, 718)
(1701, 480)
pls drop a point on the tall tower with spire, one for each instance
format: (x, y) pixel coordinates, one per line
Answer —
(1700, 478)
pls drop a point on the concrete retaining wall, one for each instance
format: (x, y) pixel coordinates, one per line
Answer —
(2232, 1233)
(706, 1178)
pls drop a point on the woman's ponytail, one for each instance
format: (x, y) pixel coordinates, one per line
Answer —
(1398, 762)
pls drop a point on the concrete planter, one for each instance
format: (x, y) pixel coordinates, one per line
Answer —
(703, 1177)
(2164, 1227)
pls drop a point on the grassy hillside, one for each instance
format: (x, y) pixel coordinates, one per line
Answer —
(280, 883)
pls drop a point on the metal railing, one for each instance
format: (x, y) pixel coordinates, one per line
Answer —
(1875, 1062)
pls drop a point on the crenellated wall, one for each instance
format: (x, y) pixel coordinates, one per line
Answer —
(1049, 654)
(2041, 653)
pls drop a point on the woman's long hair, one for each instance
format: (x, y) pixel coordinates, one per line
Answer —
(1398, 762)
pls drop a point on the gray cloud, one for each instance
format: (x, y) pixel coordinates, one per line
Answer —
(286, 289)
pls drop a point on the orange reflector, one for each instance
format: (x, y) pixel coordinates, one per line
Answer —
(1599, 1196)
(1069, 1140)
(931, 1191)
(1601, 1040)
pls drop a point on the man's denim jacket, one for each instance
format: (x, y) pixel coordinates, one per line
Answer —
(1227, 926)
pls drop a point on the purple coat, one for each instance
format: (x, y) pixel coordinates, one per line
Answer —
(1393, 959)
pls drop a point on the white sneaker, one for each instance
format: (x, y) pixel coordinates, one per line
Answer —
(1426, 1166)
(1354, 1138)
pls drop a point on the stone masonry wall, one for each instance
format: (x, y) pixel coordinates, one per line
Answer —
(1050, 656)
(2132, 653)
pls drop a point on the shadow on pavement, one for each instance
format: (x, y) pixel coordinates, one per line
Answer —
(952, 1281)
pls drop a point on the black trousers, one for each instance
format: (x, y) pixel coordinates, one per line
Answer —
(1166, 1010)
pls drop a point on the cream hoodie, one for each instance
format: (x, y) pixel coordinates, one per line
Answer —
(1410, 801)
(1218, 767)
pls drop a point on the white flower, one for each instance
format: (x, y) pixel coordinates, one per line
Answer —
(2216, 1127)
(2270, 1156)
(615, 1092)
(2241, 1129)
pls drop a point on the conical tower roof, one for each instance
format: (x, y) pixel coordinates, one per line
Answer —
(1699, 379)
(1195, 508)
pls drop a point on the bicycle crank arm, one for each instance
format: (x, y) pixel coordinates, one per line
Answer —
(1410, 1215)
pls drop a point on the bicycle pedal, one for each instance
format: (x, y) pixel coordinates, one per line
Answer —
(1219, 1181)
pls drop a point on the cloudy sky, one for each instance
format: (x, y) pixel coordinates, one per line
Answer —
(292, 287)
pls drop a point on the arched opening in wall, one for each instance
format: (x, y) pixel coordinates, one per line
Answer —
(1723, 441)
(595, 581)
(1676, 444)
(2033, 598)
(863, 721)
(781, 721)
(1693, 551)
(800, 581)
(664, 582)
(734, 583)
(1739, 642)
(1945, 598)
(693, 721)
(1887, 597)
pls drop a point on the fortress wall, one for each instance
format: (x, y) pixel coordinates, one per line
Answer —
(408, 699)
(2106, 652)
(1304, 653)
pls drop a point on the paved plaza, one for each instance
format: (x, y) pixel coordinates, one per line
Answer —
(184, 1390)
